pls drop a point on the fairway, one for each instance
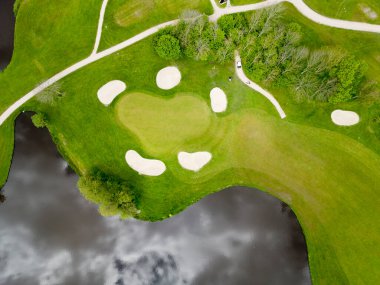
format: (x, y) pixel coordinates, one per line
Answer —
(186, 119)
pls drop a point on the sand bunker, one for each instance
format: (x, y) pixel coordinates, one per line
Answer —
(345, 118)
(143, 166)
(108, 92)
(218, 100)
(168, 77)
(194, 161)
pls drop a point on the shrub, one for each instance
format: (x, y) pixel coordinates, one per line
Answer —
(113, 194)
(39, 120)
(168, 47)
(16, 6)
(51, 95)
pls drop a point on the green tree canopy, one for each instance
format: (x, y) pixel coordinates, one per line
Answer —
(113, 195)
(168, 47)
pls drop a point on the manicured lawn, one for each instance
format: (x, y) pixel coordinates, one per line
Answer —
(348, 9)
(125, 19)
(329, 175)
(49, 36)
(187, 119)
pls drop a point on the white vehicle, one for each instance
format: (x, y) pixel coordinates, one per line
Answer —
(238, 64)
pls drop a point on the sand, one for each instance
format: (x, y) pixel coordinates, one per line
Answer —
(149, 167)
(194, 161)
(108, 92)
(218, 100)
(345, 118)
(168, 77)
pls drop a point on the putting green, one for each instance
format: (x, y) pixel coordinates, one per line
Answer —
(161, 124)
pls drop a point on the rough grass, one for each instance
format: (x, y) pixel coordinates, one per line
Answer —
(347, 9)
(187, 118)
(49, 36)
(125, 19)
(6, 150)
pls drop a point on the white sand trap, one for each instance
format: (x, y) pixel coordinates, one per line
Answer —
(194, 161)
(168, 77)
(143, 166)
(108, 92)
(345, 118)
(218, 100)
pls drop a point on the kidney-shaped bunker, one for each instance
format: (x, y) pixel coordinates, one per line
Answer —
(144, 166)
(108, 92)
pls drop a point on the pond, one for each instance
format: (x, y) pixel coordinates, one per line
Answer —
(7, 25)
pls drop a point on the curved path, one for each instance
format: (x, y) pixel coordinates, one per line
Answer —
(303, 9)
(100, 26)
(218, 12)
(254, 86)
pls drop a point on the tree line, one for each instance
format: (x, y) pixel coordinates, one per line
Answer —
(272, 53)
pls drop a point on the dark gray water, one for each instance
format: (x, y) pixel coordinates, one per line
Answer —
(7, 23)
(50, 235)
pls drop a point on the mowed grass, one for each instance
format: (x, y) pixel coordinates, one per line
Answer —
(331, 182)
(126, 18)
(355, 10)
(187, 118)
(49, 37)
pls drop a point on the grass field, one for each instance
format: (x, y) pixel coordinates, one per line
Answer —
(6, 150)
(125, 19)
(187, 118)
(329, 175)
(348, 9)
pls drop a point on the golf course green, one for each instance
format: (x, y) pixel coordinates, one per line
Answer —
(328, 174)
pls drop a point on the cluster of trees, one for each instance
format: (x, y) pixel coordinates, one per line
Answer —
(271, 50)
(194, 37)
(113, 194)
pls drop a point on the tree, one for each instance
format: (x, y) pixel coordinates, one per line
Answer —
(39, 120)
(113, 194)
(51, 95)
(168, 47)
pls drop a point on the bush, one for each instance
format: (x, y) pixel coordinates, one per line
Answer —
(39, 120)
(112, 194)
(168, 47)
(16, 6)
